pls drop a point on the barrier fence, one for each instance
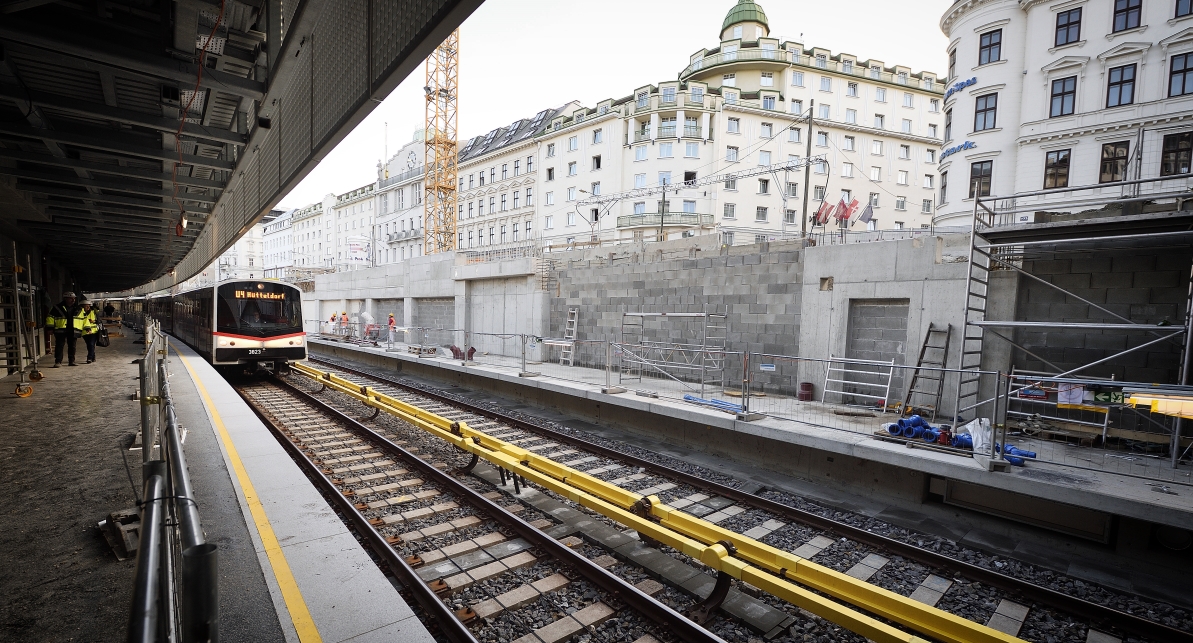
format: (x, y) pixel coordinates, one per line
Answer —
(836, 393)
(176, 587)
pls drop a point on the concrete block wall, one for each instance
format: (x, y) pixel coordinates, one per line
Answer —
(1144, 286)
(759, 292)
(439, 312)
(877, 332)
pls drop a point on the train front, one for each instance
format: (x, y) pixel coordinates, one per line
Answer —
(259, 325)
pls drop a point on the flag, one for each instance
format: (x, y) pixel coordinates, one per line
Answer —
(822, 213)
(842, 209)
(846, 210)
(866, 214)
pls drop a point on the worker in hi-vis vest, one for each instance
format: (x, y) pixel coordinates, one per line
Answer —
(67, 326)
(90, 329)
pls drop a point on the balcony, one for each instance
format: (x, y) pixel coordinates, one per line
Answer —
(666, 131)
(691, 131)
(688, 219)
(742, 55)
(694, 102)
(404, 176)
(642, 135)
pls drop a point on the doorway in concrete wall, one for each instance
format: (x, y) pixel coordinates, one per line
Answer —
(877, 332)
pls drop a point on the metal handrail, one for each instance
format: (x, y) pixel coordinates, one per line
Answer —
(176, 588)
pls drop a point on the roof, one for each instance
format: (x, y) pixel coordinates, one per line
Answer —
(745, 11)
(511, 134)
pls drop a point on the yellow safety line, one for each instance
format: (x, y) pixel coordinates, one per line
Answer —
(771, 570)
(304, 625)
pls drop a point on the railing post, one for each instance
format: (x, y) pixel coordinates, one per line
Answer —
(745, 382)
(200, 594)
(609, 388)
(524, 372)
(144, 615)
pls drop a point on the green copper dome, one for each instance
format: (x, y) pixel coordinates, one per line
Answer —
(745, 11)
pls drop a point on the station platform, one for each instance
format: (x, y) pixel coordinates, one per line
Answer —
(1112, 513)
(289, 569)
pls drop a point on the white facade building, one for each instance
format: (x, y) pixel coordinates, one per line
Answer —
(1046, 96)
(307, 236)
(399, 201)
(277, 240)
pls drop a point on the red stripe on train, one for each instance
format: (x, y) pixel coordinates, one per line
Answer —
(259, 339)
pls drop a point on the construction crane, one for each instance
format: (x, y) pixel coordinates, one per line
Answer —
(439, 179)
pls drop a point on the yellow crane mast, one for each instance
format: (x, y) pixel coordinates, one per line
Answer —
(439, 181)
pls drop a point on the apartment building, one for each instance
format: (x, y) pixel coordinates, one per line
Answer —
(1053, 96)
(399, 203)
(277, 241)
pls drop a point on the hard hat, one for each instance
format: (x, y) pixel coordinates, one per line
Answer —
(344, 313)
(68, 294)
(391, 314)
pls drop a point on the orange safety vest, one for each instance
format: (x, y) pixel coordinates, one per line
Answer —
(392, 323)
(343, 320)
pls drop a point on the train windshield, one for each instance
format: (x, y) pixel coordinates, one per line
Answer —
(258, 309)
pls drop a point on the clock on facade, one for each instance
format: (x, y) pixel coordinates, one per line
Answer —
(411, 160)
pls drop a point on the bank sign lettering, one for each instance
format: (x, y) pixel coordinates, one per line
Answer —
(967, 145)
(959, 85)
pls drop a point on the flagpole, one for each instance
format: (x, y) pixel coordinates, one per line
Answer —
(803, 224)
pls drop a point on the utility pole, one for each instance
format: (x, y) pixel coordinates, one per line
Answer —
(803, 224)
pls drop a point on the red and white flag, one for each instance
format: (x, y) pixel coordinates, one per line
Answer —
(823, 212)
(846, 210)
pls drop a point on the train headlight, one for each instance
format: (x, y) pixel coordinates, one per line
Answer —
(223, 342)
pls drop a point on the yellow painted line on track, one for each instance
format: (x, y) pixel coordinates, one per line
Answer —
(304, 625)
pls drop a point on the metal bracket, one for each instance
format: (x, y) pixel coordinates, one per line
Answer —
(642, 510)
(150, 399)
(703, 610)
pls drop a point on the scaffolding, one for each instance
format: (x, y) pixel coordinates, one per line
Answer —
(1015, 234)
(689, 361)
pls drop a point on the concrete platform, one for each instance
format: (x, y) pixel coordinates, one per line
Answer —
(64, 471)
(847, 459)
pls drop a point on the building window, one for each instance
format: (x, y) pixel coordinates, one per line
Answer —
(944, 187)
(793, 135)
(851, 116)
(929, 156)
(766, 130)
(1180, 76)
(529, 164)
(932, 130)
(904, 152)
(908, 100)
(640, 207)
(847, 170)
(760, 214)
(821, 61)
(880, 95)
(875, 174)
(1126, 14)
(529, 197)
(875, 72)
(1056, 169)
(985, 112)
(571, 196)
(826, 84)
(1064, 95)
(571, 219)
(979, 178)
(851, 89)
(990, 47)
(789, 216)
(900, 203)
(1114, 162)
(818, 192)
(503, 203)
(596, 162)
(927, 180)
(573, 145)
(572, 168)
(516, 195)
(640, 153)
(550, 198)
(731, 154)
(730, 211)
(598, 135)
(517, 168)
(639, 181)
(763, 186)
(902, 76)
(849, 143)
(768, 79)
(502, 234)
(668, 94)
(948, 126)
(902, 180)
(934, 105)
(729, 80)
(492, 204)
(470, 210)
(768, 102)
(953, 64)
(764, 158)
(595, 190)
(797, 78)
(873, 199)
(797, 106)
(1120, 88)
(879, 121)
(907, 126)
(1068, 26)
(697, 95)
(847, 66)
(1184, 8)
(689, 207)
(692, 150)
(665, 151)
(734, 125)
(643, 100)
(926, 207)
(1174, 159)
(792, 189)
(664, 178)
(822, 139)
(731, 184)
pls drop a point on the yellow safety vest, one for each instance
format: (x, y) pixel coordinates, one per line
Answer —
(57, 319)
(90, 325)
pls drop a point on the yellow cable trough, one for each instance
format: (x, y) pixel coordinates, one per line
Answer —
(779, 573)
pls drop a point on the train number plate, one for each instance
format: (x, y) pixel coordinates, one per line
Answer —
(256, 351)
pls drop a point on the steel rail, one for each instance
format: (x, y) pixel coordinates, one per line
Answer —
(616, 586)
(1098, 614)
(791, 578)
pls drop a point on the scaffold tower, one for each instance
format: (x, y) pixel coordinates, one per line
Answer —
(439, 182)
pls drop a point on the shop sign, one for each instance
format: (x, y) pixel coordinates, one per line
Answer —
(959, 85)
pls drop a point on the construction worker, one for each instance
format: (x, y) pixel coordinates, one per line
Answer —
(344, 323)
(393, 329)
(64, 321)
(90, 330)
(331, 323)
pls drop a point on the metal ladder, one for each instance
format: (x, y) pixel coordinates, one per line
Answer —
(977, 289)
(716, 335)
(931, 383)
(569, 335)
(10, 336)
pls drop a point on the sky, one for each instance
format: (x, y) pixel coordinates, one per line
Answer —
(519, 57)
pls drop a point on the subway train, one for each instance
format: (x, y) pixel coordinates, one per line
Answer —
(254, 324)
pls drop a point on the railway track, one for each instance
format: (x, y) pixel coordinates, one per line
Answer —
(989, 596)
(481, 567)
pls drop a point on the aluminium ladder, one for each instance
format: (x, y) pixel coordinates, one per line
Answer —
(569, 336)
(929, 385)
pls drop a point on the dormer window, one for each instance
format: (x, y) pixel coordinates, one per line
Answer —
(821, 61)
(737, 32)
(643, 99)
(730, 53)
(668, 94)
(847, 66)
(769, 50)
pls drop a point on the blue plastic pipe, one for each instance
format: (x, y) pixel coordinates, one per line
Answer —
(931, 435)
(963, 441)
